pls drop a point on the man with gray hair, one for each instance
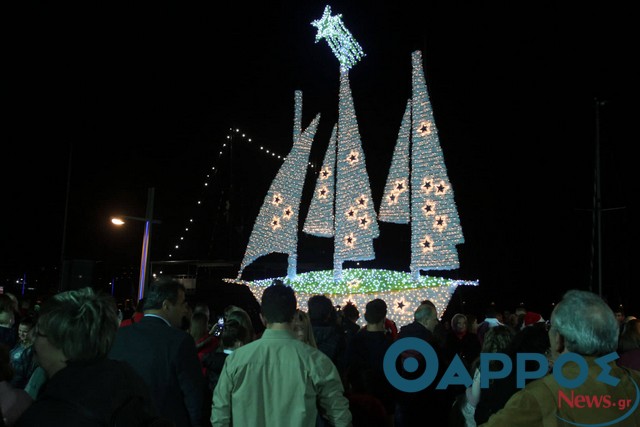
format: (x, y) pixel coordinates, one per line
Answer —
(583, 329)
(412, 407)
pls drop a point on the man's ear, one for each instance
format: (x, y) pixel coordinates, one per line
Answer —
(263, 320)
(166, 304)
(560, 344)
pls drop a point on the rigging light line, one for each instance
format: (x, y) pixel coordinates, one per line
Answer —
(180, 241)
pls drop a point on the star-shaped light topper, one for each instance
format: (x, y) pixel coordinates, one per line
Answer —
(340, 40)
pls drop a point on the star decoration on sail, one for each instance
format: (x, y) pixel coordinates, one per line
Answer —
(427, 244)
(352, 214)
(277, 199)
(287, 213)
(350, 240)
(325, 173)
(363, 221)
(427, 185)
(275, 223)
(429, 208)
(400, 305)
(353, 157)
(400, 186)
(440, 223)
(323, 193)
(362, 201)
(442, 188)
(424, 128)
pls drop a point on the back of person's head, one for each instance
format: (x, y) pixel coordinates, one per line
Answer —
(233, 333)
(586, 323)
(497, 339)
(199, 326)
(81, 323)
(350, 311)
(532, 339)
(424, 313)
(630, 338)
(6, 370)
(278, 304)
(202, 307)
(491, 312)
(241, 316)
(321, 310)
(375, 311)
(162, 289)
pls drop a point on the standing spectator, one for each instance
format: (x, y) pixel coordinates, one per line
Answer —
(326, 330)
(136, 316)
(412, 407)
(73, 334)
(164, 355)
(581, 323)
(629, 345)
(490, 320)
(461, 342)
(13, 401)
(365, 355)
(22, 358)
(233, 336)
(350, 316)
(278, 380)
(8, 332)
(199, 330)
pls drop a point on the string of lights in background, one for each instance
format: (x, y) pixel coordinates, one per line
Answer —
(234, 135)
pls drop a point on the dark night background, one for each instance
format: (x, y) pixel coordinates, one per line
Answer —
(137, 96)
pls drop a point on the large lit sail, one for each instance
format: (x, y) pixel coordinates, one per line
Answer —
(395, 206)
(276, 228)
(356, 219)
(320, 218)
(435, 225)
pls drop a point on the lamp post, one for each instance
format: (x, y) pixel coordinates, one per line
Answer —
(148, 220)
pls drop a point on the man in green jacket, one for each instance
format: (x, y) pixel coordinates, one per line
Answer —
(582, 324)
(278, 380)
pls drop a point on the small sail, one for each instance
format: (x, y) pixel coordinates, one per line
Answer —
(276, 228)
(395, 206)
(320, 219)
(435, 225)
(356, 221)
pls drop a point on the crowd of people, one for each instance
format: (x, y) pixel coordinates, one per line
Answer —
(80, 361)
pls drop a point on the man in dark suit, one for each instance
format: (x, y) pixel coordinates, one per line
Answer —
(163, 355)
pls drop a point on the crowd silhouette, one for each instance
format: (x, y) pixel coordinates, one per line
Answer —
(81, 358)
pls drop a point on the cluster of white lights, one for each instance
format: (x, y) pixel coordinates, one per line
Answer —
(359, 286)
(340, 40)
(234, 135)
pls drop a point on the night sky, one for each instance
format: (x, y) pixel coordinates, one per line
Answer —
(144, 96)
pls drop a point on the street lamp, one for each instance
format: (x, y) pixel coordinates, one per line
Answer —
(148, 220)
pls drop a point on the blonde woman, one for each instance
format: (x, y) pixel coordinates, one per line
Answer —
(302, 328)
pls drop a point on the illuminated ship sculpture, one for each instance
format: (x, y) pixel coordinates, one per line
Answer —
(417, 192)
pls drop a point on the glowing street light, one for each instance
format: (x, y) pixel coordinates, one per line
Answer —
(148, 220)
